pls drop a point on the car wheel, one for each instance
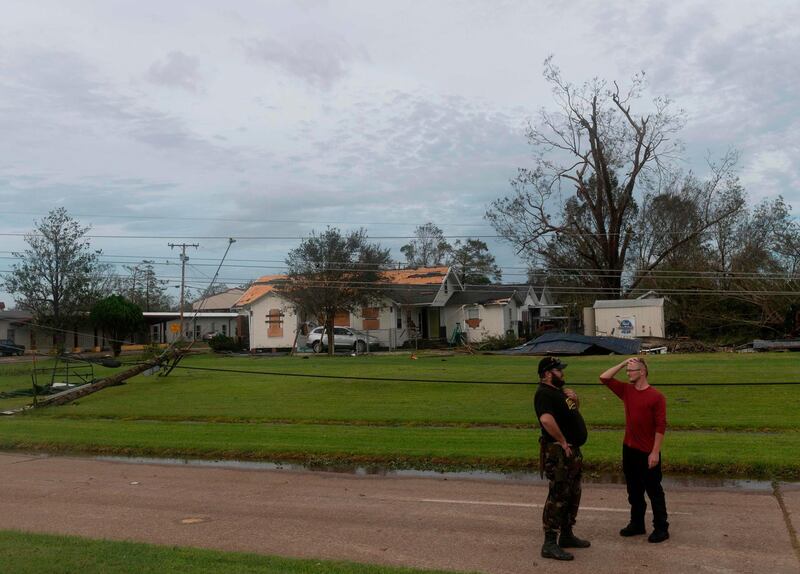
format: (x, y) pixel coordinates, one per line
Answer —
(316, 346)
(360, 347)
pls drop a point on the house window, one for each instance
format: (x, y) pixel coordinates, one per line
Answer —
(399, 319)
(224, 329)
(198, 332)
(275, 323)
(371, 320)
(473, 313)
(342, 319)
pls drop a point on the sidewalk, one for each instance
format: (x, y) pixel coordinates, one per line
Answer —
(463, 525)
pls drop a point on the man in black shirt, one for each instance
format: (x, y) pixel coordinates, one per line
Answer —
(563, 433)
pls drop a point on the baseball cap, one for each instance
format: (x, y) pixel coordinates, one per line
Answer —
(550, 363)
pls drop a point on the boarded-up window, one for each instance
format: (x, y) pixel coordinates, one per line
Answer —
(371, 321)
(275, 323)
(342, 319)
(473, 317)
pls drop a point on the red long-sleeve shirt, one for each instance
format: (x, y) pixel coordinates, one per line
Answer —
(645, 413)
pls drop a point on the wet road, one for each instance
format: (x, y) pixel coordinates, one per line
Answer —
(462, 525)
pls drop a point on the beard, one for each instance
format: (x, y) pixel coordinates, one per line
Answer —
(558, 382)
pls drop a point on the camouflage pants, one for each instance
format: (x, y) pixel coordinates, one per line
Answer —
(564, 497)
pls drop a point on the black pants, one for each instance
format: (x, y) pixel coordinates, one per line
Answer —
(639, 480)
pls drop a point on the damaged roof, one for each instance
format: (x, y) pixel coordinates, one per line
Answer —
(259, 288)
(416, 275)
(412, 286)
(574, 344)
(486, 297)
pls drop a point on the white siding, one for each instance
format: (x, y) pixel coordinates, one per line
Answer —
(647, 321)
(259, 311)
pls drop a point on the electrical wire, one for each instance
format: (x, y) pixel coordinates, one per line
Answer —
(463, 382)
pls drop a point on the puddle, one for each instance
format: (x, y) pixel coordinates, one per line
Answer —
(512, 477)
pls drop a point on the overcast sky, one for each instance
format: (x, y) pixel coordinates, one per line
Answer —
(267, 118)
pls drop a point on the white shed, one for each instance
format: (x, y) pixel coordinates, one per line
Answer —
(625, 318)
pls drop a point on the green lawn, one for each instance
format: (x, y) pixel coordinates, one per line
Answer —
(27, 553)
(273, 417)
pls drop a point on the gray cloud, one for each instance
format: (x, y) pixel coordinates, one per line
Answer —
(400, 156)
(176, 70)
(319, 63)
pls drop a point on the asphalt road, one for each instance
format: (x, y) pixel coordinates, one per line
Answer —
(462, 525)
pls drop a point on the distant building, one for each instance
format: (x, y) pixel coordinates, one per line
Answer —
(627, 318)
(221, 302)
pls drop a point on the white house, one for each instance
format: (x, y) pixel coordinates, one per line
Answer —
(409, 307)
(482, 312)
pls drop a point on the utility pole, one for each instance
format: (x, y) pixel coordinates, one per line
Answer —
(184, 259)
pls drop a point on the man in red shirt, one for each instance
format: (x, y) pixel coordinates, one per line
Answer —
(645, 424)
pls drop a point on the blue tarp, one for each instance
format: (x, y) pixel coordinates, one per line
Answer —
(574, 344)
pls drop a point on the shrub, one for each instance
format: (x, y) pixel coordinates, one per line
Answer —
(220, 342)
(499, 342)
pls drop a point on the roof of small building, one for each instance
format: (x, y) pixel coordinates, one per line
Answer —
(259, 288)
(627, 303)
(15, 315)
(224, 300)
(188, 315)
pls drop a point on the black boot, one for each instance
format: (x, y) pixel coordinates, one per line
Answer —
(569, 540)
(658, 535)
(632, 530)
(551, 549)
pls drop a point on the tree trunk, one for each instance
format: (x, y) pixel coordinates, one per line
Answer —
(331, 343)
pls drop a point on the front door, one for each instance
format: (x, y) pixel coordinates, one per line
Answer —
(433, 324)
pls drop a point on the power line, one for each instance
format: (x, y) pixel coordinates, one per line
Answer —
(555, 290)
(554, 272)
(463, 382)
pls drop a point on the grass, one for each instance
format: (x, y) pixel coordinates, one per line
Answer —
(27, 553)
(273, 417)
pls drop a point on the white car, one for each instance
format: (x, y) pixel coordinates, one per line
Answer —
(343, 338)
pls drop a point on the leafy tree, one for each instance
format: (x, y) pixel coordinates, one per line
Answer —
(473, 263)
(428, 248)
(143, 287)
(331, 272)
(58, 275)
(118, 318)
(611, 161)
